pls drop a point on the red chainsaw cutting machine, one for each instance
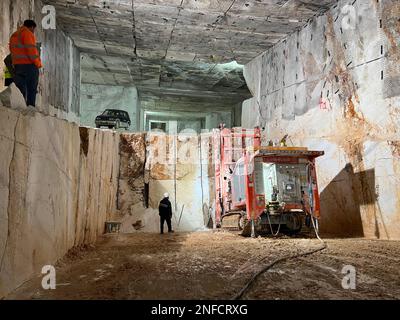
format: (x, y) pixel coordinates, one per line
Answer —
(263, 189)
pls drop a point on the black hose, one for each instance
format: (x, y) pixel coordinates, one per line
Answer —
(266, 268)
(230, 214)
(269, 266)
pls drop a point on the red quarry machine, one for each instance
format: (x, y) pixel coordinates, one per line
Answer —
(263, 190)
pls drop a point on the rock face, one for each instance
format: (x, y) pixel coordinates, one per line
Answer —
(152, 164)
(187, 31)
(183, 173)
(334, 89)
(132, 148)
(58, 185)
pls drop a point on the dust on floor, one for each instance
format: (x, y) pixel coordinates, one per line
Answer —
(216, 265)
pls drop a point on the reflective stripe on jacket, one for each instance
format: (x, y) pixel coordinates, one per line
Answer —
(23, 48)
(7, 74)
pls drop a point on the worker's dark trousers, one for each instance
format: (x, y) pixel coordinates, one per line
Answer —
(162, 221)
(27, 80)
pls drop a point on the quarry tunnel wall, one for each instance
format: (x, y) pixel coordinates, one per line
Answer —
(155, 163)
(334, 86)
(58, 185)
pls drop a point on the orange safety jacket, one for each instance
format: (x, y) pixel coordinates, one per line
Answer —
(23, 48)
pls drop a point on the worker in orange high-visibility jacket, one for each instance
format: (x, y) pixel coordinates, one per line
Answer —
(26, 61)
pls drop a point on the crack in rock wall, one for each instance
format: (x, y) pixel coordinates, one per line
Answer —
(58, 186)
(332, 87)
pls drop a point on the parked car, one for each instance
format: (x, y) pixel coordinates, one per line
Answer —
(112, 118)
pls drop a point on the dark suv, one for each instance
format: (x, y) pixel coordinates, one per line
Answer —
(112, 118)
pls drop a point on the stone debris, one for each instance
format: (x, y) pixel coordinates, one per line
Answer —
(12, 97)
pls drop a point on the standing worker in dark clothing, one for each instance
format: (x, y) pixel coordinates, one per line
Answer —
(165, 212)
(26, 61)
